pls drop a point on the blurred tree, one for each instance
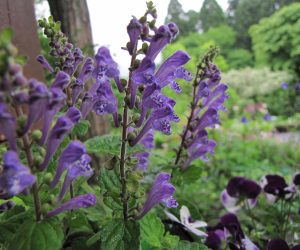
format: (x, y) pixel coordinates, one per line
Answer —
(211, 15)
(244, 13)
(187, 22)
(276, 40)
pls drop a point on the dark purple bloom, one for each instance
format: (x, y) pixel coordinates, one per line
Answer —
(87, 104)
(240, 188)
(15, 177)
(62, 127)
(159, 120)
(8, 126)
(38, 102)
(106, 68)
(275, 187)
(213, 241)
(84, 75)
(81, 201)
(134, 30)
(105, 102)
(296, 179)
(44, 62)
(161, 191)
(277, 244)
(164, 35)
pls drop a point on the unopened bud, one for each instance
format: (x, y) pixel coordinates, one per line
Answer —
(135, 118)
(143, 19)
(137, 102)
(36, 135)
(145, 48)
(141, 88)
(45, 208)
(130, 136)
(136, 64)
(123, 83)
(47, 178)
(127, 100)
(21, 120)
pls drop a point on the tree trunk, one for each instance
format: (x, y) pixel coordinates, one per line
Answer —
(75, 23)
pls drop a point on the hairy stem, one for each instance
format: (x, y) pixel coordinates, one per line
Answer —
(29, 156)
(124, 140)
(190, 118)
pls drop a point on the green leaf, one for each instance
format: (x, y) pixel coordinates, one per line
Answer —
(186, 245)
(110, 188)
(95, 238)
(170, 241)
(152, 230)
(44, 235)
(121, 235)
(81, 128)
(6, 35)
(109, 144)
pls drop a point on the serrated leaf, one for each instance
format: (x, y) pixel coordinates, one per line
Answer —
(81, 128)
(32, 235)
(121, 235)
(152, 230)
(186, 245)
(109, 144)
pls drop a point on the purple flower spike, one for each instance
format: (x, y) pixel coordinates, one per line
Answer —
(8, 126)
(61, 81)
(164, 35)
(56, 102)
(172, 68)
(15, 177)
(81, 201)
(39, 96)
(239, 188)
(106, 68)
(284, 86)
(105, 102)
(44, 62)
(134, 30)
(71, 154)
(84, 75)
(76, 169)
(161, 191)
(63, 126)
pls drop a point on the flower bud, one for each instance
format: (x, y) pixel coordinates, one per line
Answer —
(47, 178)
(123, 83)
(135, 118)
(137, 102)
(145, 48)
(141, 88)
(45, 208)
(36, 135)
(136, 64)
(130, 136)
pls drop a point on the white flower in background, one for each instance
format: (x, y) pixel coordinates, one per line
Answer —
(187, 222)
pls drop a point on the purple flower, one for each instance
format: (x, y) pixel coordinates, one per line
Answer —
(61, 81)
(267, 117)
(81, 201)
(296, 179)
(213, 240)
(44, 62)
(240, 188)
(70, 155)
(106, 68)
(72, 60)
(172, 68)
(63, 126)
(164, 35)
(297, 86)
(84, 75)
(8, 126)
(244, 120)
(38, 102)
(187, 222)
(142, 75)
(275, 187)
(15, 177)
(161, 191)
(159, 120)
(105, 102)
(134, 30)
(284, 86)
(56, 102)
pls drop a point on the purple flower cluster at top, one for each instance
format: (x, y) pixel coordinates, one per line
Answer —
(209, 99)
